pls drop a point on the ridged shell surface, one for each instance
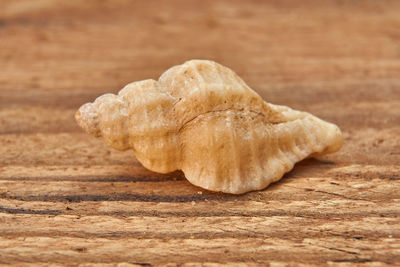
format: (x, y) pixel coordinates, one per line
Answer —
(201, 118)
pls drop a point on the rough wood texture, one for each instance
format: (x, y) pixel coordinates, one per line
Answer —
(65, 198)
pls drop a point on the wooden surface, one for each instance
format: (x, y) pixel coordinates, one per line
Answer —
(66, 198)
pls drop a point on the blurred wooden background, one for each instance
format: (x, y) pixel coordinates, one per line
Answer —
(66, 198)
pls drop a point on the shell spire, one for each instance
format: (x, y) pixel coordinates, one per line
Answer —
(201, 118)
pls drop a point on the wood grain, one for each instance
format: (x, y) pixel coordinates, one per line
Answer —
(68, 199)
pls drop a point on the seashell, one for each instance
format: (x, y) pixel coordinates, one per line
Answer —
(201, 118)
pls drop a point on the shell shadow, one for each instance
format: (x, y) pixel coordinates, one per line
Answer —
(304, 168)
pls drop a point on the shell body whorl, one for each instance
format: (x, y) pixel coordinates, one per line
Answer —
(201, 118)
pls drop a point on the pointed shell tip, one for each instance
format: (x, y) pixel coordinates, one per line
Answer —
(87, 119)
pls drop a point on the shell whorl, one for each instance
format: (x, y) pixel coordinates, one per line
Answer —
(87, 118)
(200, 117)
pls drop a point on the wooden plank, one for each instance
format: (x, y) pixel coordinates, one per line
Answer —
(268, 48)
(176, 227)
(117, 183)
(328, 208)
(74, 250)
(183, 191)
(68, 199)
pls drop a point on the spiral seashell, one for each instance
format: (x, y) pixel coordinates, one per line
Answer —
(201, 118)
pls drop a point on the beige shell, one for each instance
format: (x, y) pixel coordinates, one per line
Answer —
(201, 118)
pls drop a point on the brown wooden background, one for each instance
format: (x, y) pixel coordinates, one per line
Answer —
(67, 198)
